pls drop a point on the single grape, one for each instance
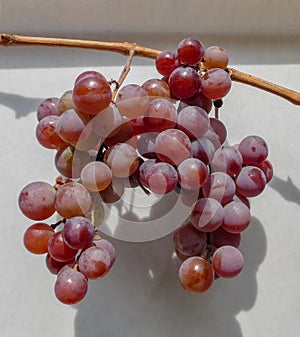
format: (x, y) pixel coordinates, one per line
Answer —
(48, 107)
(107, 123)
(192, 173)
(108, 247)
(157, 88)
(207, 215)
(72, 199)
(55, 266)
(227, 261)
(219, 186)
(190, 51)
(96, 176)
(94, 262)
(132, 100)
(113, 192)
(160, 115)
(36, 200)
(184, 82)
(78, 232)
(66, 102)
(203, 149)
(193, 121)
(59, 250)
(250, 182)
(146, 145)
(219, 128)
(220, 237)
(188, 240)
(198, 99)
(37, 236)
(237, 217)
(254, 150)
(71, 286)
(87, 74)
(267, 168)
(227, 159)
(215, 57)
(166, 62)
(196, 274)
(172, 146)
(215, 83)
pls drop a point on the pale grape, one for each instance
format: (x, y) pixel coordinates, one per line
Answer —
(227, 261)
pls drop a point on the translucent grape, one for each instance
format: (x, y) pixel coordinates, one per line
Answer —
(219, 186)
(72, 199)
(184, 82)
(227, 261)
(190, 51)
(253, 149)
(66, 102)
(96, 176)
(188, 240)
(48, 107)
(196, 275)
(78, 232)
(122, 159)
(160, 115)
(220, 237)
(91, 94)
(193, 121)
(59, 250)
(37, 236)
(227, 159)
(94, 262)
(107, 123)
(192, 173)
(132, 100)
(207, 215)
(251, 181)
(36, 200)
(237, 217)
(156, 88)
(202, 149)
(166, 62)
(55, 266)
(172, 146)
(215, 57)
(47, 135)
(70, 286)
(215, 83)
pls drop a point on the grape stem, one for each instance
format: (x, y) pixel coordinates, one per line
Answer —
(133, 49)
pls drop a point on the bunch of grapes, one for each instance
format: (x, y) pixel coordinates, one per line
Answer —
(160, 137)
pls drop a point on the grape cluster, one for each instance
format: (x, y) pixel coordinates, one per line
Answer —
(160, 137)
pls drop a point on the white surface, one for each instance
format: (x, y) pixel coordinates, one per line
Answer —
(141, 296)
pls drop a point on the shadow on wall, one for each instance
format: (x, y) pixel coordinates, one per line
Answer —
(142, 296)
(288, 190)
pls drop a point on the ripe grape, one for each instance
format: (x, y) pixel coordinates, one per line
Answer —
(196, 274)
(156, 88)
(215, 57)
(253, 149)
(237, 217)
(220, 237)
(146, 145)
(113, 192)
(96, 176)
(215, 83)
(227, 261)
(192, 173)
(227, 159)
(202, 149)
(193, 121)
(108, 122)
(36, 200)
(219, 128)
(190, 51)
(48, 107)
(55, 266)
(91, 94)
(108, 247)
(250, 182)
(36, 238)
(166, 62)
(267, 169)
(72, 199)
(184, 82)
(66, 102)
(198, 99)
(78, 232)
(71, 286)
(59, 250)
(132, 100)
(172, 146)
(207, 215)
(123, 133)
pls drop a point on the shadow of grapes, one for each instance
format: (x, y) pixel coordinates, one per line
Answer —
(287, 189)
(142, 296)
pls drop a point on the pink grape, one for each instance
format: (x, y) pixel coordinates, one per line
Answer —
(253, 149)
(59, 250)
(48, 107)
(237, 217)
(251, 181)
(219, 128)
(156, 88)
(215, 83)
(190, 51)
(146, 145)
(198, 99)
(227, 261)
(196, 275)
(71, 286)
(108, 247)
(166, 62)
(172, 146)
(220, 237)
(36, 200)
(78, 232)
(55, 266)
(215, 57)
(37, 236)
(227, 159)
(267, 168)
(202, 149)
(96, 176)
(192, 173)
(207, 215)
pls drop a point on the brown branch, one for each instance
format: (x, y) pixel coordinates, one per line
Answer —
(126, 48)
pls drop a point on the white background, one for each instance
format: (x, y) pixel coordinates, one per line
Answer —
(141, 296)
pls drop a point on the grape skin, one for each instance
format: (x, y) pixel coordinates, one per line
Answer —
(55, 266)
(215, 83)
(237, 217)
(48, 107)
(59, 250)
(253, 149)
(190, 51)
(36, 238)
(96, 176)
(215, 57)
(157, 88)
(166, 62)
(192, 173)
(227, 159)
(251, 181)
(220, 237)
(108, 247)
(203, 149)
